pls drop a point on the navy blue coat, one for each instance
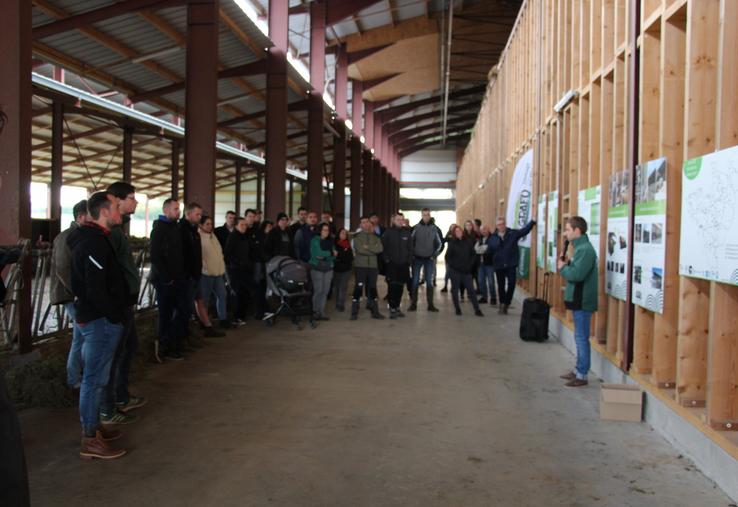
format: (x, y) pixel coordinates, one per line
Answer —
(505, 252)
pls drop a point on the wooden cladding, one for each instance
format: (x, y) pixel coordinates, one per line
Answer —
(680, 104)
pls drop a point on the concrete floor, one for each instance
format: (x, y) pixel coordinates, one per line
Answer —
(432, 410)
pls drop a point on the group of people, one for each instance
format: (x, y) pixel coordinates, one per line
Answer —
(95, 277)
(478, 254)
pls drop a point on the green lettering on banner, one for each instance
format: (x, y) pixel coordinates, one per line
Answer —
(590, 193)
(618, 211)
(651, 208)
(524, 262)
(692, 168)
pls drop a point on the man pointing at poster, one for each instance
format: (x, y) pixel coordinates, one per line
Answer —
(506, 257)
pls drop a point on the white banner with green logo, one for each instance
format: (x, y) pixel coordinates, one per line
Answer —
(552, 228)
(541, 232)
(649, 236)
(617, 265)
(709, 228)
(519, 206)
(588, 207)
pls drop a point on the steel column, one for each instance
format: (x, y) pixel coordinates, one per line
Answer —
(341, 95)
(377, 187)
(316, 159)
(15, 144)
(369, 124)
(292, 198)
(355, 182)
(176, 147)
(276, 108)
(339, 173)
(201, 102)
(367, 182)
(127, 153)
(239, 176)
(357, 104)
(57, 158)
(259, 185)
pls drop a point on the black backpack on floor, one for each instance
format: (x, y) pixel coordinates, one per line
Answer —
(534, 320)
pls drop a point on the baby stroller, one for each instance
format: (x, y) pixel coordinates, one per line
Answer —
(289, 280)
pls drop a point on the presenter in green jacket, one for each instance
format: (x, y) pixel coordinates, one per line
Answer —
(580, 273)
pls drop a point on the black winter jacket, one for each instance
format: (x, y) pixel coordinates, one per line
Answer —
(167, 255)
(460, 255)
(505, 251)
(256, 244)
(398, 245)
(222, 234)
(192, 249)
(279, 242)
(344, 261)
(238, 252)
(97, 278)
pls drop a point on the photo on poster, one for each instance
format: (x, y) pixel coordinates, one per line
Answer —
(616, 280)
(588, 207)
(649, 219)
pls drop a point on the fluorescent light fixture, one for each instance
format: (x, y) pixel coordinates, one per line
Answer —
(349, 124)
(361, 138)
(564, 101)
(83, 96)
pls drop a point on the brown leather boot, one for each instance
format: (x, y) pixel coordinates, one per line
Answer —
(97, 447)
(109, 435)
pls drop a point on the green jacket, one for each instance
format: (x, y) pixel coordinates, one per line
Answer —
(123, 254)
(367, 246)
(581, 276)
(317, 254)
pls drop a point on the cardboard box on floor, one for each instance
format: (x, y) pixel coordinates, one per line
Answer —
(621, 402)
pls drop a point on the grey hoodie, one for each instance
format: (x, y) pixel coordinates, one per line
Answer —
(427, 240)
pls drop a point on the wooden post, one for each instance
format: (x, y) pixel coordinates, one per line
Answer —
(699, 122)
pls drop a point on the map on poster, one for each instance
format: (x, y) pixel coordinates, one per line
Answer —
(616, 259)
(649, 241)
(541, 232)
(588, 207)
(709, 228)
(552, 228)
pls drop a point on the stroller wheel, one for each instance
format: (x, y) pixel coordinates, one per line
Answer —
(270, 322)
(313, 324)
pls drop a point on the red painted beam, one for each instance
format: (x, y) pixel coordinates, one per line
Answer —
(201, 102)
(276, 107)
(249, 69)
(87, 18)
(341, 95)
(15, 145)
(356, 106)
(338, 10)
(316, 157)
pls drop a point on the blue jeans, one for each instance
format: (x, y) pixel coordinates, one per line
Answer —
(427, 265)
(117, 388)
(74, 360)
(210, 285)
(101, 338)
(486, 278)
(582, 321)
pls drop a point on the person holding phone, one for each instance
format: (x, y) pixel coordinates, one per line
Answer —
(580, 296)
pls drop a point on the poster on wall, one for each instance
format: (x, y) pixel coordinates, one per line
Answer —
(519, 206)
(552, 228)
(616, 258)
(541, 232)
(709, 228)
(588, 207)
(649, 241)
